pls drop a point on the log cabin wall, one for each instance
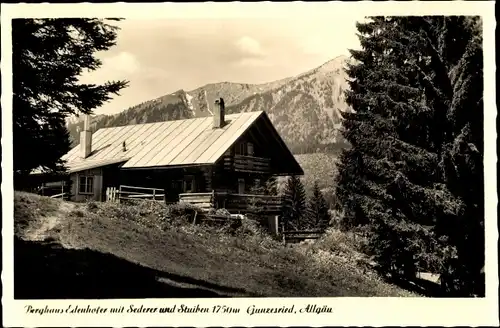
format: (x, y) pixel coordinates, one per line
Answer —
(245, 165)
(186, 180)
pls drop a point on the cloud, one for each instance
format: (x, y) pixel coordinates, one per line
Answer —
(120, 66)
(122, 62)
(250, 46)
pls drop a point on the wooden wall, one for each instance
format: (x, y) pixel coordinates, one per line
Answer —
(98, 191)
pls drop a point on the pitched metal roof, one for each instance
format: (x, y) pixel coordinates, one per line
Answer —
(87, 165)
(170, 143)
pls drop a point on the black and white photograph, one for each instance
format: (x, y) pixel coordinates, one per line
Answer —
(312, 153)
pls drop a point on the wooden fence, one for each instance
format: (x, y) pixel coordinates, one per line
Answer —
(217, 219)
(55, 189)
(63, 195)
(112, 194)
(301, 235)
(124, 193)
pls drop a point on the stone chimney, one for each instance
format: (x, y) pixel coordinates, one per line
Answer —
(219, 113)
(86, 138)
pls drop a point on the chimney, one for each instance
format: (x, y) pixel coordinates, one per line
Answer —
(86, 138)
(219, 113)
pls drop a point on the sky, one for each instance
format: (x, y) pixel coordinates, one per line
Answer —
(161, 56)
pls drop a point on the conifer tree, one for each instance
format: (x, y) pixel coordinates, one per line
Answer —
(414, 172)
(48, 56)
(294, 203)
(317, 210)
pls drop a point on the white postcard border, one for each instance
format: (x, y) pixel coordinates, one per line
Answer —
(346, 311)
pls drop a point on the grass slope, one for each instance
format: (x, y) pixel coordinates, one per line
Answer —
(104, 250)
(320, 167)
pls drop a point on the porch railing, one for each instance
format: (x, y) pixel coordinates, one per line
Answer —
(205, 201)
(250, 164)
(234, 203)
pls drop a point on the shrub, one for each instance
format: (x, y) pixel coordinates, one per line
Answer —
(252, 231)
(335, 218)
(150, 208)
(250, 227)
(222, 212)
(78, 213)
(180, 213)
(145, 212)
(336, 241)
(91, 206)
(221, 221)
(115, 211)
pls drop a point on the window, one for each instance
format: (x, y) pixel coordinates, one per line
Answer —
(177, 186)
(242, 148)
(188, 183)
(86, 185)
(250, 149)
(188, 186)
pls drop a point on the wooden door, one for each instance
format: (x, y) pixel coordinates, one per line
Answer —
(241, 186)
(175, 188)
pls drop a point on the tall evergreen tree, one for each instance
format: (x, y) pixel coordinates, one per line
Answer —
(317, 210)
(294, 203)
(48, 56)
(414, 172)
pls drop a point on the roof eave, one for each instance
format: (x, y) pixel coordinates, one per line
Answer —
(284, 146)
(166, 167)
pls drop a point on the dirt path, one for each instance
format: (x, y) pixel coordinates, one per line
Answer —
(48, 223)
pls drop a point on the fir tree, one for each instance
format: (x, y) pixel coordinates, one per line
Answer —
(317, 210)
(414, 172)
(294, 203)
(48, 55)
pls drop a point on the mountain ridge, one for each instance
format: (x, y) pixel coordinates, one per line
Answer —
(305, 108)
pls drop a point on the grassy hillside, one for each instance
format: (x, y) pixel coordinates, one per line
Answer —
(320, 167)
(68, 250)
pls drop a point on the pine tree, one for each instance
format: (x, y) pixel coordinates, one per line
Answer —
(416, 137)
(48, 55)
(317, 210)
(294, 203)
